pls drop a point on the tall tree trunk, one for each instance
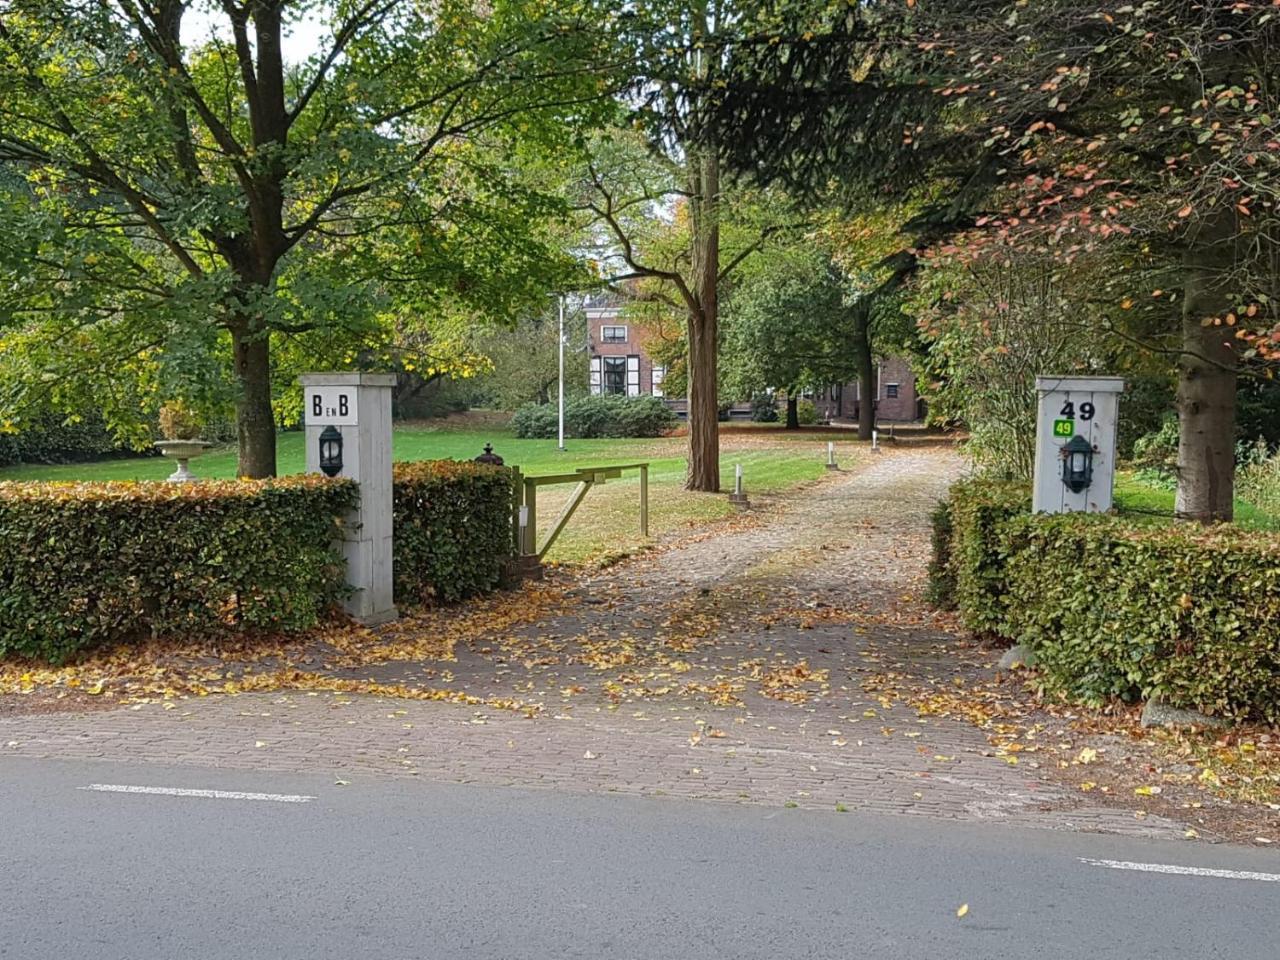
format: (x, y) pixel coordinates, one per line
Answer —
(255, 421)
(1206, 388)
(704, 405)
(866, 376)
(793, 411)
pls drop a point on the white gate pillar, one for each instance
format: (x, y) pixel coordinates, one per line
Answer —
(1075, 443)
(358, 407)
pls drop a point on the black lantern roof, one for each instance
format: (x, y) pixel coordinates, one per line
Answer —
(489, 456)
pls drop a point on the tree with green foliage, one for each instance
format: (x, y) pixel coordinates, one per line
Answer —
(525, 359)
(788, 325)
(169, 195)
(670, 238)
(679, 52)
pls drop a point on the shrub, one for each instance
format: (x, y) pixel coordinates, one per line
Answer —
(1117, 608)
(1156, 454)
(806, 413)
(941, 588)
(764, 409)
(536, 421)
(453, 534)
(52, 438)
(82, 564)
(596, 416)
(178, 421)
(1184, 613)
(1258, 480)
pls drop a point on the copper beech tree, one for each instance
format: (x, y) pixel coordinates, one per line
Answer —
(1146, 127)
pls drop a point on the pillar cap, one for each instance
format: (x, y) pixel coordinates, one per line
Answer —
(1080, 384)
(347, 379)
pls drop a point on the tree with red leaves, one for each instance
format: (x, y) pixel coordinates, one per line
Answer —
(1151, 126)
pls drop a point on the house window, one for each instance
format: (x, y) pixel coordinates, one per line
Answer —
(659, 374)
(615, 375)
(633, 375)
(613, 334)
(891, 390)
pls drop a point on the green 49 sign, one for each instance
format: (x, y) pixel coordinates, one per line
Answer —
(1064, 428)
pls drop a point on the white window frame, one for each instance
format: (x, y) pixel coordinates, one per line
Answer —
(596, 376)
(657, 374)
(891, 391)
(605, 338)
(633, 375)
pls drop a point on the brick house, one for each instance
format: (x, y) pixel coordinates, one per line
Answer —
(620, 365)
(897, 400)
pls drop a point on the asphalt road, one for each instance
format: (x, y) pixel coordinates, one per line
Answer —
(394, 869)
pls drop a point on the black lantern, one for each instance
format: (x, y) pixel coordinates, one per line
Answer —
(330, 451)
(489, 456)
(1077, 464)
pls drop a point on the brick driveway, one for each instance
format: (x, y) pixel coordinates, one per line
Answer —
(787, 662)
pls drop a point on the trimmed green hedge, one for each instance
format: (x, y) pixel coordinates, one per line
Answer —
(453, 534)
(941, 588)
(1114, 608)
(976, 550)
(596, 416)
(82, 564)
(52, 438)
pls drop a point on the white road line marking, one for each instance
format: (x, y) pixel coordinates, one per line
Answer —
(1183, 871)
(209, 794)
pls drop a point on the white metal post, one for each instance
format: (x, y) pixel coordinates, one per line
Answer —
(561, 338)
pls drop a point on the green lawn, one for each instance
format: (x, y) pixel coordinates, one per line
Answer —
(606, 525)
(1136, 496)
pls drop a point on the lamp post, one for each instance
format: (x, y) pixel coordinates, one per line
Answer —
(561, 344)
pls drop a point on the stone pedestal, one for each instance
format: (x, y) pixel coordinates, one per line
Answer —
(358, 406)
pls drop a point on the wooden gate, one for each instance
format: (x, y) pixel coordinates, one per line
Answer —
(525, 513)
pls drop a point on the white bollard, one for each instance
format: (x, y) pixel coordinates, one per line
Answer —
(831, 456)
(738, 498)
(875, 441)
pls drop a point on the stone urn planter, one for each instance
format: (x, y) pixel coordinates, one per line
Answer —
(182, 451)
(181, 430)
